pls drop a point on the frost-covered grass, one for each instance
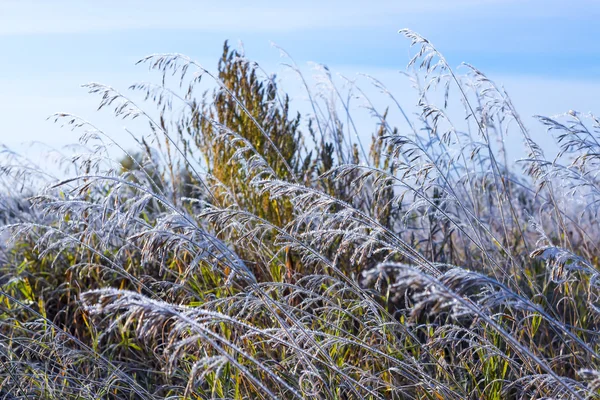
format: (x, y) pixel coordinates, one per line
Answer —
(243, 251)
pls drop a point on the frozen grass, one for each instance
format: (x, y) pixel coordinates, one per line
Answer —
(245, 252)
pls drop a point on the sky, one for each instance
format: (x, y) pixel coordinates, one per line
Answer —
(546, 53)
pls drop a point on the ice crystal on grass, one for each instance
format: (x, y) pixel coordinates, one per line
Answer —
(245, 251)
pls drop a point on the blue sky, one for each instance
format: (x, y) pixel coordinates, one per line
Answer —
(546, 53)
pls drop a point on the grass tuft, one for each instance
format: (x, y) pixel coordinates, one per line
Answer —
(244, 250)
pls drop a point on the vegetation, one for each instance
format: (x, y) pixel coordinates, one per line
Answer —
(245, 251)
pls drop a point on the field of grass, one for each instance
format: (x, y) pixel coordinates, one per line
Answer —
(246, 251)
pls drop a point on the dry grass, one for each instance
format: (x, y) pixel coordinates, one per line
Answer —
(245, 252)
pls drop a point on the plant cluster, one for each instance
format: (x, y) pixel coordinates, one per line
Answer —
(247, 251)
